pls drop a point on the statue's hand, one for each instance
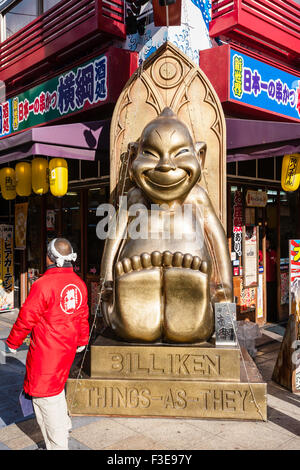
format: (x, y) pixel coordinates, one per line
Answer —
(106, 300)
(107, 292)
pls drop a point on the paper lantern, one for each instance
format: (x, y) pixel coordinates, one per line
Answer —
(40, 175)
(58, 176)
(290, 172)
(23, 179)
(8, 183)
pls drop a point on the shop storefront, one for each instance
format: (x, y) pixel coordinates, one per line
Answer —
(260, 101)
(262, 218)
(45, 217)
(66, 117)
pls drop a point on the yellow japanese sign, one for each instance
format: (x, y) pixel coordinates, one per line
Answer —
(290, 172)
(237, 76)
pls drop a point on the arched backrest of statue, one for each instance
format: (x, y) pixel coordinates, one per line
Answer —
(169, 78)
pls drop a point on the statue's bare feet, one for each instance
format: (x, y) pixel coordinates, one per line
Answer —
(138, 296)
(187, 313)
(162, 295)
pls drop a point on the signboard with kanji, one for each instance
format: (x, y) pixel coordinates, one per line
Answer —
(294, 283)
(247, 85)
(259, 84)
(64, 94)
(7, 268)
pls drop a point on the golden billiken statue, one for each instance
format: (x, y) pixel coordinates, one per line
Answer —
(162, 288)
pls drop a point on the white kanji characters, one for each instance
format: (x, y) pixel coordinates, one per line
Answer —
(70, 299)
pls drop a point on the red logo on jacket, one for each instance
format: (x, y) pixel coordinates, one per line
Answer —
(70, 299)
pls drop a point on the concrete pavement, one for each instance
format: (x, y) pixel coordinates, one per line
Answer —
(280, 432)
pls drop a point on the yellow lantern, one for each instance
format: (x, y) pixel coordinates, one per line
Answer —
(40, 175)
(58, 176)
(290, 172)
(23, 179)
(8, 183)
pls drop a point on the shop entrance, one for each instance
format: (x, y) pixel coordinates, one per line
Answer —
(268, 217)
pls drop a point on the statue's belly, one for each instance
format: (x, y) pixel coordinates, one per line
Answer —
(165, 233)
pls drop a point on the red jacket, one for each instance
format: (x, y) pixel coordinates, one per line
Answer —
(56, 314)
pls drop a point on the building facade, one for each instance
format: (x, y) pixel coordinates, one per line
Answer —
(63, 65)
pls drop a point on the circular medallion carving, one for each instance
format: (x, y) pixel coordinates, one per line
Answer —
(167, 72)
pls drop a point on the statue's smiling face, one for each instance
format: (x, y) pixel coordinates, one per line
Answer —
(166, 166)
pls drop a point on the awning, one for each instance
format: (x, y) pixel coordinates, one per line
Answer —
(80, 141)
(251, 139)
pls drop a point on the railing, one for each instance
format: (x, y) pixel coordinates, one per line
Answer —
(60, 28)
(271, 24)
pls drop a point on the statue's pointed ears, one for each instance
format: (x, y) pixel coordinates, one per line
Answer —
(201, 151)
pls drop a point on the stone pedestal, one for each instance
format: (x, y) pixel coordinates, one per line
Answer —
(188, 381)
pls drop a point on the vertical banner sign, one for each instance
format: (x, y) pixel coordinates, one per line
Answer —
(250, 257)
(1, 269)
(21, 211)
(260, 297)
(7, 258)
(237, 223)
(294, 283)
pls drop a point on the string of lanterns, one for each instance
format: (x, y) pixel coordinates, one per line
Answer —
(36, 176)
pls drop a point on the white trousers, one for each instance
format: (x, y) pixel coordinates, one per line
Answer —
(54, 421)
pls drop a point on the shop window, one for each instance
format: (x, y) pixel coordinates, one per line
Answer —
(288, 220)
(247, 168)
(4, 210)
(34, 240)
(52, 217)
(20, 15)
(231, 168)
(73, 170)
(89, 169)
(278, 166)
(71, 224)
(23, 12)
(96, 196)
(50, 3)
(266, 168)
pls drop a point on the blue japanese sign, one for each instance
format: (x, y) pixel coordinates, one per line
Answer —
(261, 85)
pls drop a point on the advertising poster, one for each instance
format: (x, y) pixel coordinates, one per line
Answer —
(247, 296)
(50, 220)
(250, 252)
(21, 211)
(294, 275)
(7, 268)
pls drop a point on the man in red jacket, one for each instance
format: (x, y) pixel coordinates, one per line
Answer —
(55, 313)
